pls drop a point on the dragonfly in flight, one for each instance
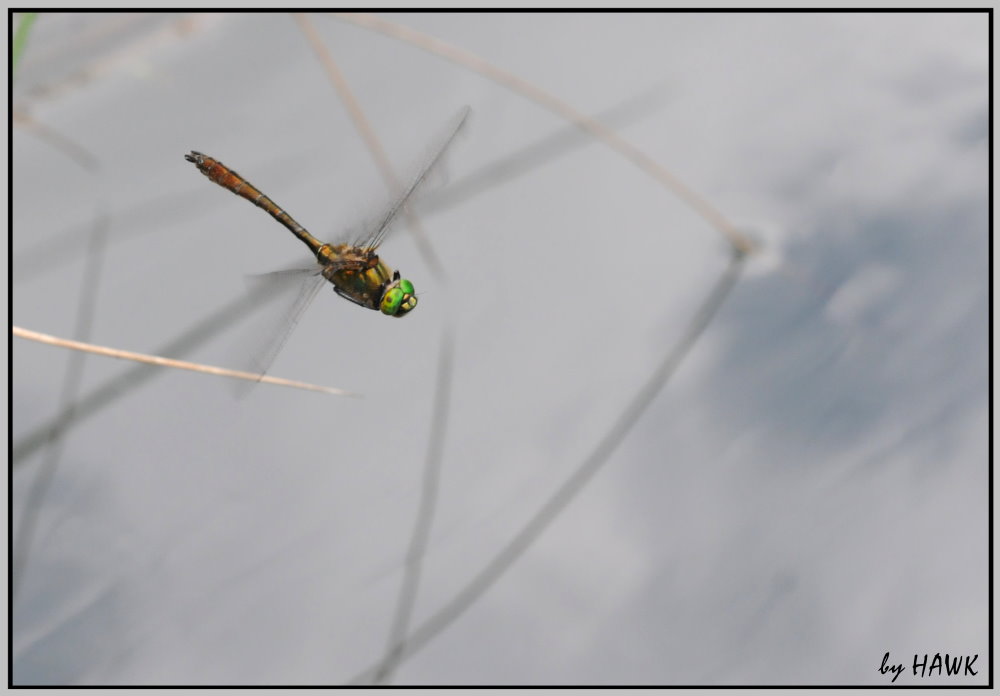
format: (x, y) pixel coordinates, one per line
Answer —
(353, 267)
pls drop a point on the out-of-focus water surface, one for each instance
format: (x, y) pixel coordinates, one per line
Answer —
(807, 494)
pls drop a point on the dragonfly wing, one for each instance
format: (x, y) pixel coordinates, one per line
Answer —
(375, 233)
(300, 286)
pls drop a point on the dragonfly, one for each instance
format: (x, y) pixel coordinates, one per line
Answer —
(352, 265)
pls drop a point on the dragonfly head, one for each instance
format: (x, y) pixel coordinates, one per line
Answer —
(398, 298)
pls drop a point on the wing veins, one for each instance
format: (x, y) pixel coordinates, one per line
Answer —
(388, 217)
(261, 360)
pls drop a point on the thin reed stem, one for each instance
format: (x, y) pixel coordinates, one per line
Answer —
(558, 502)
(596, 128)
(176, 364)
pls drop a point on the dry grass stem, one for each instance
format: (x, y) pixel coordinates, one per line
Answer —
(176, 364)
(367, 133)
(473, 62)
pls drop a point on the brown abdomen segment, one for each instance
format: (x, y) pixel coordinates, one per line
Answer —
(229, 179)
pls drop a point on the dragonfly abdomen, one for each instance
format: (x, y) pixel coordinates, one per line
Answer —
(229, 179)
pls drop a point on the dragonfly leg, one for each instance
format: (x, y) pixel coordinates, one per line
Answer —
(347, 296)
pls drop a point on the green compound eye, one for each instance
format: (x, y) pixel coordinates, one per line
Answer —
(391, 301)
(406, 286)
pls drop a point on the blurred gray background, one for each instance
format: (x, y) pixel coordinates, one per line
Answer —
(808, 493)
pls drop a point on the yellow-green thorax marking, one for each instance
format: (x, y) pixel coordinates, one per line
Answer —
(360, 276)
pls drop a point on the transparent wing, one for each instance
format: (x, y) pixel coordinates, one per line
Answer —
(297, 288)
(375, 232)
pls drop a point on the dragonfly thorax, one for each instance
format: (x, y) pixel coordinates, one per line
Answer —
(361, 277)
